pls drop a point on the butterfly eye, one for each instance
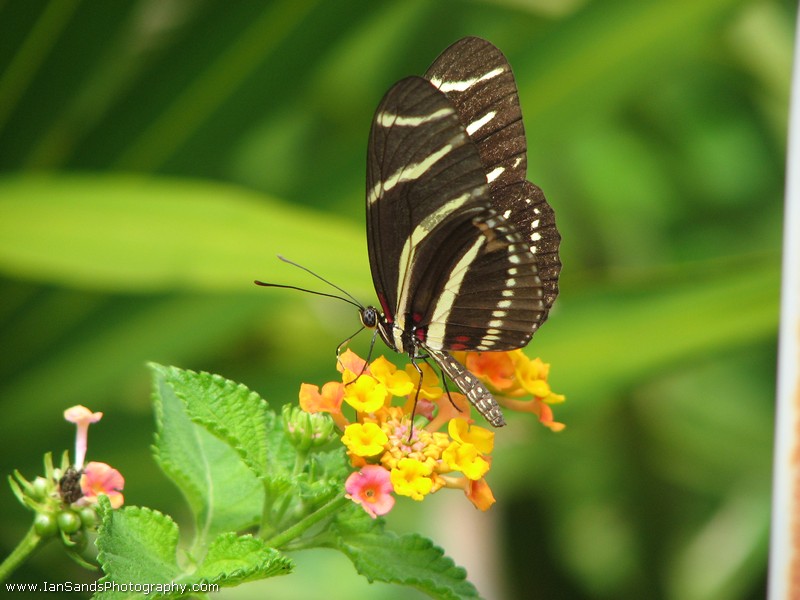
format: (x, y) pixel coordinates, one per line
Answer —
(369, 317)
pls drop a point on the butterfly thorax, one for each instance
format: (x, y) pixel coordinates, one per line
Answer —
(399, 340)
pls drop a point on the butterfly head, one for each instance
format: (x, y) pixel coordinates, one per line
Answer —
(373, 319)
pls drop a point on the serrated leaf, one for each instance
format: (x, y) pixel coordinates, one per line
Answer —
(409, 559)
(228, 409)
(136, 545)
(280, 452)
(233, 559)
(139, 546)
(332, 464)
(222, 491)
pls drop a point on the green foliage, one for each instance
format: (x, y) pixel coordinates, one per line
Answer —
(139, 545)
(408, 559)
(156, 157)
(221, 489)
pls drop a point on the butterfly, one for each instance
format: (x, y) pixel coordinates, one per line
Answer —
(463, 249)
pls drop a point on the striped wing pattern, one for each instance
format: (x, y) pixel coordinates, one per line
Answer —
(463, 250)
(477, 79)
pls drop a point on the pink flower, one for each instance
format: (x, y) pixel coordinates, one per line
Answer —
(371, 487)
(82, 417)
(99, 478)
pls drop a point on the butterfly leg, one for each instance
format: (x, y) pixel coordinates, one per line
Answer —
(416, 394)
(347, 341)
(369, 355)
(444, 382)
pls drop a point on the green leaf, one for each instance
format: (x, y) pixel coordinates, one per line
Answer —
(136, 545)
(409, 559)
(229, 410)
(125, 232)
(139, 545)
(280, 452)
(234, 559)
(222, 491)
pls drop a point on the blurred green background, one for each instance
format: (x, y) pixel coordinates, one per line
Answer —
(156, 155)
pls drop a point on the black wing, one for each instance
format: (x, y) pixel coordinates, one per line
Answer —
(425, 185)
(477, 79)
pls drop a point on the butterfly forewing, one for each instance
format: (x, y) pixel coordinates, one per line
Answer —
(425, 185)
(477, 79)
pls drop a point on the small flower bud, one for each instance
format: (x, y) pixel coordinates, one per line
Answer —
(45, 525)
(305, 430)
(88, 517)
(68, 521)
(40, 489)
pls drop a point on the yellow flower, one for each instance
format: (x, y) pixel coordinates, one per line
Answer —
(532, 375)
(398, 383)
(430, 389)
(460, 430)
(467, 459)
(365, 394)
(365, 439)
(412, 478)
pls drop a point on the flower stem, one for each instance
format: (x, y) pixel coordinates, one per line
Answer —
(298, 528)
(26, 547)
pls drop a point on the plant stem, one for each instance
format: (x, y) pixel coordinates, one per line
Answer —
(24, 549)
(298, 528)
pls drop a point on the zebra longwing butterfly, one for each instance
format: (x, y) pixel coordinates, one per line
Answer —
(463, 249)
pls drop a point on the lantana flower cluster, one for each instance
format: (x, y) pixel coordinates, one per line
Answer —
(65, 497)
(414, 442)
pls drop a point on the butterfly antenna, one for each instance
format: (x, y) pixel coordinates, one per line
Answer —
(299, 289)
(350, 299)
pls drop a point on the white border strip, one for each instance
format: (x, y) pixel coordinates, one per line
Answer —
(784, 568)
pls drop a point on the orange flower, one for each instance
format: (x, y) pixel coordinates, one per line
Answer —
(352, 363)
(100, 479)
(451, 406)
(494, 368)
(480, 494)
(329, 400)
(477, 491)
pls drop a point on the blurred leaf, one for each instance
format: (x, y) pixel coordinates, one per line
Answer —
(133, 233)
